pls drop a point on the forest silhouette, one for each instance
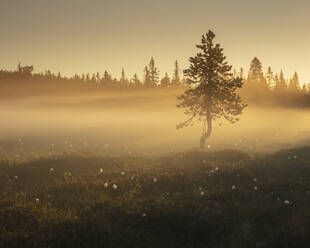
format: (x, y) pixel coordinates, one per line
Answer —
(259, 87)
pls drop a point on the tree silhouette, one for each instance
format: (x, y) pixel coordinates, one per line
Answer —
(293, 85)
(165, 82)
(147, 78)
(256, 84)
(212, 93)
(176, 74)
(135, 82)
(280, 85)
(154, 73)
(269, 77)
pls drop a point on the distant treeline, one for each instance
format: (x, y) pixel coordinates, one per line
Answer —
(150, 79)
(273, 88)
(259, 87)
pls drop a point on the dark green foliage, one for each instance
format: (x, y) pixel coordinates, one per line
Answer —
(213, 87)
(77, 210)
(212, 92)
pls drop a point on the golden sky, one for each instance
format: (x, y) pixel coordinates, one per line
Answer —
(96, 35)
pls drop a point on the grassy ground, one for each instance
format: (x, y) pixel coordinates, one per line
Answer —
(194, 199)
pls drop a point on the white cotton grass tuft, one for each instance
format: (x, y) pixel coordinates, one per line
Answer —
(233, 187)
(255, 179)
(154, 179)
(15, 177)
(106, 185)
(216, 168)
(101, 170)
(37, 200)
(144, 214)
(123, 173)
(255, 188)
(51, 169)
(114, 186)
(202, 193)
(286, 202)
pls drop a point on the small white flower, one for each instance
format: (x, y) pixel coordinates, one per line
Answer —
(144, 214)
(255, 188)
(286, 202)
(216, 168)
(254, 179)
(51, 169)
(208, 146)
(101, 170)
(202, 193)
(106, 185)
(295, 156)
(16, 177)
(122, 173)
(233, 187)
(37, 200)
(114, 186)
(155, 179)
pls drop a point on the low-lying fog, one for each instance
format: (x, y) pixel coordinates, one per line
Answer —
(136, 124)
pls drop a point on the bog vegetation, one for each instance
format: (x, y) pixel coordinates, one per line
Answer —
(193, 199)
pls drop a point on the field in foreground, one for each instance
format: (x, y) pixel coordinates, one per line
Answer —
(193, 199)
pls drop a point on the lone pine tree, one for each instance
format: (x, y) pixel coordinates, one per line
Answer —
(212, 92)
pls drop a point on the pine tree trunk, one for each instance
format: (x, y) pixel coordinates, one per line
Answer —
(207, 133)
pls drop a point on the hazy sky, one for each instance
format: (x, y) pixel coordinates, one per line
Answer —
(96, 35)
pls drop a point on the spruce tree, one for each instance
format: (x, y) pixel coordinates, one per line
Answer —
(294, 86)
(212, 93)
(280, 87)
(165, 82)
(153, 73)
(135, 82)
(176, 74)
(256, 85)
(269, 77)
(147, 78)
